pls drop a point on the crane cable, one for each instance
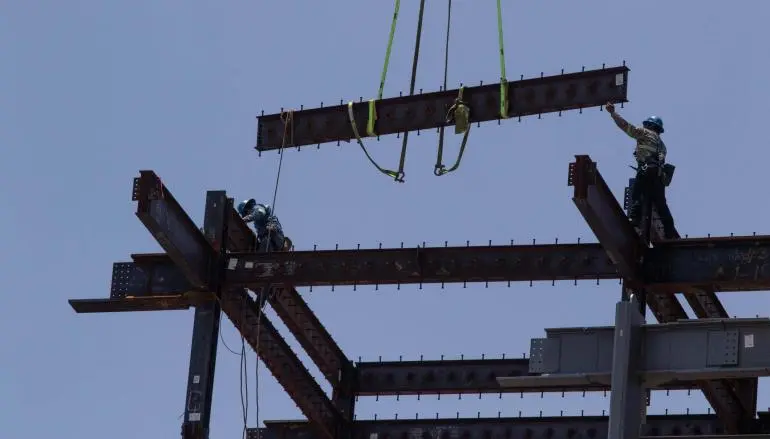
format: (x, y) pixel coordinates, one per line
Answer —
(288, 130)
(372, 108)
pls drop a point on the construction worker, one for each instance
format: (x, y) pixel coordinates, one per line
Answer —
(269, 232)
(652, 173)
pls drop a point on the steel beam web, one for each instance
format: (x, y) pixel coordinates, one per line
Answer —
(172, 227)
(472, 376)
(535, 96)
(605, 216)
(423, 265)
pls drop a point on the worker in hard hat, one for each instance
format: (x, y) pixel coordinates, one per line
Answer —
(652, 172)
(269, 232)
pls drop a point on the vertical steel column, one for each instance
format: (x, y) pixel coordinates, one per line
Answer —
(203, 352)
(627, 397)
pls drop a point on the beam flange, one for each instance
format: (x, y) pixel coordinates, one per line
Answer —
(560, 427)
(476, 376)
(424, 111)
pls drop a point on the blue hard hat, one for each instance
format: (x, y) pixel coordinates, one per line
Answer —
(246, 205)
(654, 122)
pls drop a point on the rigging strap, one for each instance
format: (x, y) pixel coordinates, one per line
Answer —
(503, 81)
(459, 112)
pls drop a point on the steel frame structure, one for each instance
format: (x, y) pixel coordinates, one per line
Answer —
(210, 269)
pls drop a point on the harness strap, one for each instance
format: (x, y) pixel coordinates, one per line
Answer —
(459, 113)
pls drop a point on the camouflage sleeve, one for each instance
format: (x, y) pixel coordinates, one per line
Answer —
(627, 128)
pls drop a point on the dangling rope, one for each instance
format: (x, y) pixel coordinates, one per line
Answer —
(459, 112)
(372, 109)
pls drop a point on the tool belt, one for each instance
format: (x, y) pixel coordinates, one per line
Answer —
(665, 172)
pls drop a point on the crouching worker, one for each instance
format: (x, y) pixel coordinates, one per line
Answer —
(270, 235)
(652, 172)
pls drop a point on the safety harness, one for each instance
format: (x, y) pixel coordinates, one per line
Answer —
(459, 113)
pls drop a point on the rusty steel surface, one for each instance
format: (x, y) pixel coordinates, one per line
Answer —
(187, 249)
(423, 265)
(282, 362)
(157, 303)
(170, 225)
(443, 377)
(557, 427)
(605, 216)
(740, 263)
(295, 313)
(424, 111)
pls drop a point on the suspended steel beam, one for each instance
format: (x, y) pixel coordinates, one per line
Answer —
(605, 217)
(559, 427)
(131, 304)
(443, 377)
(528, 97)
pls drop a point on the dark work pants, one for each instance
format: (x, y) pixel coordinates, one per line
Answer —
(649, 186)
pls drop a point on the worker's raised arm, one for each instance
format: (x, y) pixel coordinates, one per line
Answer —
(623, 124)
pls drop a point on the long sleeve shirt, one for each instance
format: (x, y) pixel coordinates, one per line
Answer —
(650, 149)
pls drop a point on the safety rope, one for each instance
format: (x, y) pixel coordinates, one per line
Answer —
(503, 81)
(372, 110)
(459, 112)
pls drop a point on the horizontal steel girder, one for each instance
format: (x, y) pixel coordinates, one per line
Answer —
(561, 427)
(428, 110)
(722, 264)
(443, 377)
(673, 352)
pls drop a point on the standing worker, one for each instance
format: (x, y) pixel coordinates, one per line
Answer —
(270, 235)
(652, 173)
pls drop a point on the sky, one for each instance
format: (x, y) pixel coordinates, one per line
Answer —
(92, 92)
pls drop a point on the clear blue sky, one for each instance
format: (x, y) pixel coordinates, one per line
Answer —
(94, 91)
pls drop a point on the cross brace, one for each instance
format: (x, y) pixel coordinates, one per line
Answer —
(424, 111)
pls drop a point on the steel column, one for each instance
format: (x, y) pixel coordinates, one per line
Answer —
(205, 337)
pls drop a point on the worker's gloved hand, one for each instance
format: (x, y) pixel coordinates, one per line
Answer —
(661, 157)
(610, 107)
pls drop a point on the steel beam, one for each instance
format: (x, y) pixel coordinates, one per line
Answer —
(423, 265)
(282, 362)
(205, 336)
(535, 96)
(561, 427)
(724, 264)
(604, 215)
(162, 215)
(304, 326)
(734, 401)
(628, 395)
(687, 350)
(474, 376)
(189, 250)
(157, 303)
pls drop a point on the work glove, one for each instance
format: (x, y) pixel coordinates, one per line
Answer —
(661, 157)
